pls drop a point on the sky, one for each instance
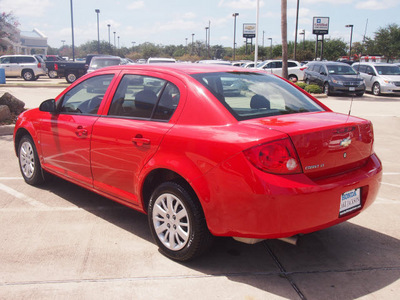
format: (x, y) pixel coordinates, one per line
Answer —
(171, 22)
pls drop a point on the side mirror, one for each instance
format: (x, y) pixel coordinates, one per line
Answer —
(48, 106)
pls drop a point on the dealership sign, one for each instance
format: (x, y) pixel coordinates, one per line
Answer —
(320, 25)
(249, 30)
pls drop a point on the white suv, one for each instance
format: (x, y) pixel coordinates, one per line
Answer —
(29, 67)
(295, 69)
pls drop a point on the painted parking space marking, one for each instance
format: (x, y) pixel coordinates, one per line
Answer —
(22, 197)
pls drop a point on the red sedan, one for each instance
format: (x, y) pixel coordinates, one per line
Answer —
(204, 151)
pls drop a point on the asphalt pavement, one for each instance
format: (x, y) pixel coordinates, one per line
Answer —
(59, 241)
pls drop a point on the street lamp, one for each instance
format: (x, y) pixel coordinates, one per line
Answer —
(206, 37)
(351, 38)
(114, 38)
(72, 30)
(303, 33)
(271, 46)
(118, 42)
(98, 32)
(192, 41)
(234, 34)
(109, 38)
(63, 41)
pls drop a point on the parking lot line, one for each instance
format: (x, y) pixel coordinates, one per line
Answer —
(22, 197)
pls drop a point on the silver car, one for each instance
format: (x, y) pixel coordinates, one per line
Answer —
(380, 78)
(29, 67)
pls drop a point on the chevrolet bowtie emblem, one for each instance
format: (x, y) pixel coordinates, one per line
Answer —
(345, 142)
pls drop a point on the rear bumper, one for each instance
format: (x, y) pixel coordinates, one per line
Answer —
(262, 205)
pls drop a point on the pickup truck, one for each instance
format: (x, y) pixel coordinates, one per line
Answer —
(50, 64)
(73, 70)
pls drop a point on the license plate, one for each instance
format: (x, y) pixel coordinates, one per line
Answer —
(352, 89)
(350, 201)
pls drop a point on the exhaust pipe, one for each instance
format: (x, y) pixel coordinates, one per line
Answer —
(291, 240)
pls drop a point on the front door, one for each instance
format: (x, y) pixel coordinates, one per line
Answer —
(65, 136)
(126, 139)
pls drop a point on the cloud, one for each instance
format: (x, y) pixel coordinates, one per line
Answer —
(240, 4)
(376, 4)
(35, 8)
(136, 5)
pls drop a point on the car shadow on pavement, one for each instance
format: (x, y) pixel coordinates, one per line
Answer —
(346, 261)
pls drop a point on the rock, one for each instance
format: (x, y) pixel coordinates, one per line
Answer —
(15, 105)
(5, 113)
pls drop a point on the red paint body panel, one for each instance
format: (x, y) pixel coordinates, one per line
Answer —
(203, 143)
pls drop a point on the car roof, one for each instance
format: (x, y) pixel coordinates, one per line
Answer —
(182, 68)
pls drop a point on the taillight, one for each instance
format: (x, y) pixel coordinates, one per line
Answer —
(303, 68)
(56, 67)
(277, 157)
(39, 65)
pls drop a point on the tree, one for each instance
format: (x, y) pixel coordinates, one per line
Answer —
(8, 30)
(388, 41)
(284, 38)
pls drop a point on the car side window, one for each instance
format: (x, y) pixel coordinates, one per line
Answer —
(144, 97)
(291, 64)
(86, 97)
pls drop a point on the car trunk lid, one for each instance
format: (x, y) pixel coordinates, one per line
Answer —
(326, 142)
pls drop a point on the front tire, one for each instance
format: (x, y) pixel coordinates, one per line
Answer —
(326, 89)
(29, 162)
(177, 222)
(376, 89)
(71, 77)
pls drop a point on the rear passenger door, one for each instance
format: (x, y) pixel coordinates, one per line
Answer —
(125, 138)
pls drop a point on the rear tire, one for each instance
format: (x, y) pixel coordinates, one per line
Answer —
(28, 75)
(29, 162)
(177, 222)
(52, 74)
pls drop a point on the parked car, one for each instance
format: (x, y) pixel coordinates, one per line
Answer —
(99, 62)
(334, 77)
(29, 67)
(157, 60)
(295, 69)
(380, 78)
(214, 62)
(173, 141)
(50, 64)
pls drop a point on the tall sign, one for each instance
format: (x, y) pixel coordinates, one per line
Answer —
(320, 27)
(249, 32)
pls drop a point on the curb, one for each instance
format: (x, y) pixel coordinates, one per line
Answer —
(26, 85)
(6, 129)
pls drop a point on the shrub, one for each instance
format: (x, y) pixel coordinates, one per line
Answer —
(301, 85)
(313, 89)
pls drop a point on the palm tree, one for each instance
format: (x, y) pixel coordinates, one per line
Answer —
(284, 38)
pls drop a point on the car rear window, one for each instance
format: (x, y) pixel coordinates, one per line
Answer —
(249, 95)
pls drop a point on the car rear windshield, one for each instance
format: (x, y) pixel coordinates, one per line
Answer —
(249, 95)
(341, 70)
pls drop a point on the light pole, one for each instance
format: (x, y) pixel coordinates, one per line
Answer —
(72, 29)
(109, 36)
(303, 33)
(114, 39)
(234, 34)
(63, 41)
(206, 37)
(351, 38)
(295, 34)
(118, 42)
(98, 30)
(192, 41)
(263, 38)
(271, 46)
